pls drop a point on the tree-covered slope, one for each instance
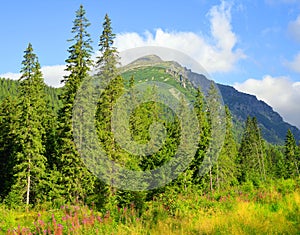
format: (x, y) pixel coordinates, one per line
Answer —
(9, 87)
(241, 105)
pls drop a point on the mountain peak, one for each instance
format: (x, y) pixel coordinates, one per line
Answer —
(153, 60)
(149, 59)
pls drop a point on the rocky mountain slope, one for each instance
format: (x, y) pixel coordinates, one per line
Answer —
(241, 105)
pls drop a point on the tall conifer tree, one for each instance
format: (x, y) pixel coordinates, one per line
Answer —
(251, 153)
(217, 127)
(108, 75)
(76, 179)
(200, 110)
(226, 165)
(291, 156)
(28, 152)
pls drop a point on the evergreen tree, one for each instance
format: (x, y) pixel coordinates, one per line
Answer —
(226, 164)
(251, 153)
(217, 127)
(112, 88)
(109, 59)
(200, 110)
(76, 179)
(291, 156)
(276, 161)
(182, 140)
(28, 153)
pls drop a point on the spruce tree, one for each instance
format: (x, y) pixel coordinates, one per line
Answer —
(198, 164)
(226, 164)
(291, 156)
(77, 181)
(108, 60)
(28, 153)
(217, 126)
(276, 161)
(112, 87)
(251, 155)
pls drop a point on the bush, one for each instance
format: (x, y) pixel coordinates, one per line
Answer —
(286, 186)
(248, 187)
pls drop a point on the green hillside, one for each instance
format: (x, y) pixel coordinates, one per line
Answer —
(240, 104)
(9, 87)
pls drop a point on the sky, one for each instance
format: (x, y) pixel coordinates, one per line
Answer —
(253, 45)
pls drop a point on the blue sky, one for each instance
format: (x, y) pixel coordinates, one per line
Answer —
(253, 45)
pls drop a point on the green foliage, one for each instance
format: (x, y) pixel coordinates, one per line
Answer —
(227, 168)
(252, 190)
(8, 122)
(108, 75)
(251, 154)
(108, 60)
(265, 211)
(241, 105)
(276, 161)
(292, 156)
(74, 176)
(9, 90)
(28, 154)
(204, 138)
(286, 186)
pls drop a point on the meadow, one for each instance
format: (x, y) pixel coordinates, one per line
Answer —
(272, 208)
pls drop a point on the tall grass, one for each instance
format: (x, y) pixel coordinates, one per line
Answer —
(274, 209)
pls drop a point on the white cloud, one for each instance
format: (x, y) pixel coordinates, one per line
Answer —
(294, 29)
(294, 64)
(13, 76)
(52, 75)
(215, 52)
(279, 92)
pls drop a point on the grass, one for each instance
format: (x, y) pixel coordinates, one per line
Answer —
(259, 211)
(158, 74)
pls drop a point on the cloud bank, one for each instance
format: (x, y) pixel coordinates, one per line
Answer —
(279, 92)
(52, 75)
(216, 52)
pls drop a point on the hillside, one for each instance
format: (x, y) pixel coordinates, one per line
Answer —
(10, 88)
(241, 105)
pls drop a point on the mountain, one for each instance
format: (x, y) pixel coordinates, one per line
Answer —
(152, 68)
(241, 105)
(273, 127)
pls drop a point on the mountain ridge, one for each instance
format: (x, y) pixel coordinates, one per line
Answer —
(241, 105)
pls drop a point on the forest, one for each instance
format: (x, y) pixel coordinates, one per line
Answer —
(251, 187)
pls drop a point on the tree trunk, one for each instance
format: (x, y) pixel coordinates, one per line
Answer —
(218, 179)
(210, 177)
(28, 184)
